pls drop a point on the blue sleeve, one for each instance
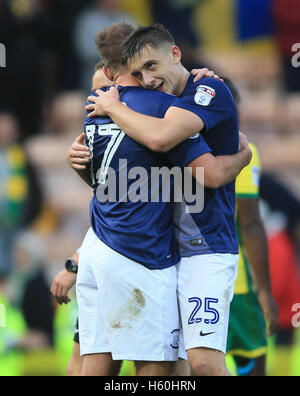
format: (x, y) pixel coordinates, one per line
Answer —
(167, 102)
(211, 100)
(187, 151)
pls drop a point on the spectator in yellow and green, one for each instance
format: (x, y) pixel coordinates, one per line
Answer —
(20, 194)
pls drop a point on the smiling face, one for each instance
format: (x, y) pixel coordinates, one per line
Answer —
(158, 68)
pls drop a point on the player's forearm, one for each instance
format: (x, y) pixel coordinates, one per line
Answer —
(221, 170)
(256, 249)
(149, 131)
(230, 166)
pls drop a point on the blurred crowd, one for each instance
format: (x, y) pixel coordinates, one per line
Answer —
(51, 56)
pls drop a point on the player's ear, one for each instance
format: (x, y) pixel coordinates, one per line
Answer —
(176, 54)
(108, 73)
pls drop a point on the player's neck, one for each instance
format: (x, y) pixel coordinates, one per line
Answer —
(126, 80)
(183, 77)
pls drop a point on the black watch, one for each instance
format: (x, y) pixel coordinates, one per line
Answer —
(71, 266)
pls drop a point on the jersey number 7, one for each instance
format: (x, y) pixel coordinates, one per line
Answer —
(117, 135)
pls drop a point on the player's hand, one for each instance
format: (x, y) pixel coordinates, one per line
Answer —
(244, 143)
(79, 155)
(101, 104)
(270, 309)
(201, 73)
(61, 286)
(244, 146)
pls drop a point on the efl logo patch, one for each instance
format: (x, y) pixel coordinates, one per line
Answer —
(175, 335)
(204, 95)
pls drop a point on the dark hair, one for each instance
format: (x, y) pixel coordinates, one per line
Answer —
(153, 35)
(109, 43)
(233, 89)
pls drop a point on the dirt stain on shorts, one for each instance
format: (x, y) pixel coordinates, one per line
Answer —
(131, 311)
(139, 298)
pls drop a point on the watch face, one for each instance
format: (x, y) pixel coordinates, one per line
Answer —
(71, 266)
(68, 264)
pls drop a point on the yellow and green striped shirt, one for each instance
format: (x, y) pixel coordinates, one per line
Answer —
(247, 186)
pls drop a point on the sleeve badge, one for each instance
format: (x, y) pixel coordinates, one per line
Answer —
(204, 95)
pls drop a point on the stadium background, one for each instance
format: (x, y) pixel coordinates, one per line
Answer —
(49, 63)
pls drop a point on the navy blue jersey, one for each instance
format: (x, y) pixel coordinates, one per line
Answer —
(136, 220)
(214, 229)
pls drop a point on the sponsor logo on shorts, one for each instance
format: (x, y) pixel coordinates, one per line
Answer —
(175, 335)
(206, 334)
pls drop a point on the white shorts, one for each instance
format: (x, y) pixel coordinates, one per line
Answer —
(125, 308)
(205, 291)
